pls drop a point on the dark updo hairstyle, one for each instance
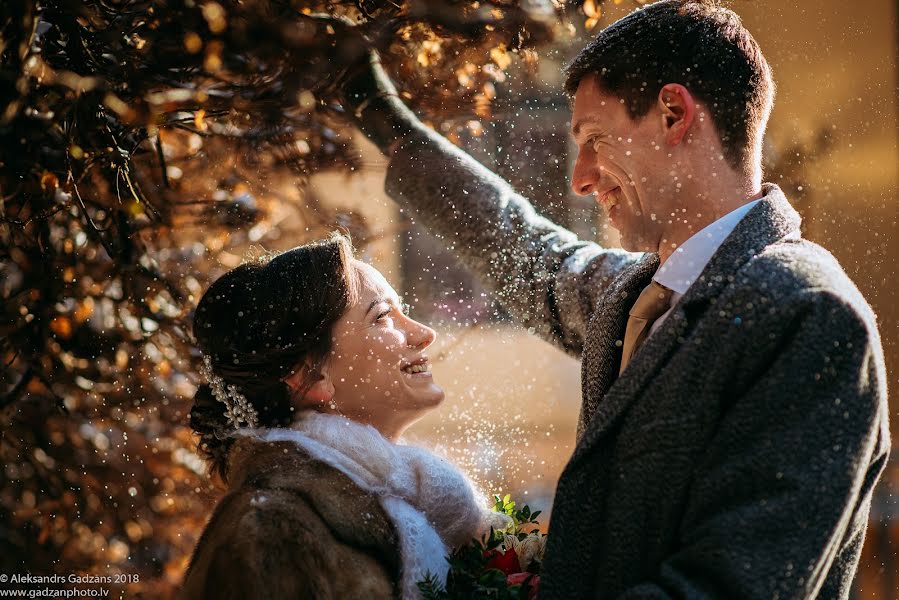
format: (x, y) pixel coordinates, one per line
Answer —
(258, 322)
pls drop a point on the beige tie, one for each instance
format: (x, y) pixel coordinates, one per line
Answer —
(653, 302)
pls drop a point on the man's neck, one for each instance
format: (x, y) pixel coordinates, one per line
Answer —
(710, 205)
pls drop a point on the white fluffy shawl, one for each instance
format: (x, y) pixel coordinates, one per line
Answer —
(433, 506)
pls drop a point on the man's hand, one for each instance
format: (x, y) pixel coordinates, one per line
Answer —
(370, 98)
(364, 82)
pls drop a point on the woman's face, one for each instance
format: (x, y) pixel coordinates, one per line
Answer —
(377, 365)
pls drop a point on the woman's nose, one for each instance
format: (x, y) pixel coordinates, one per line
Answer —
(419, 335)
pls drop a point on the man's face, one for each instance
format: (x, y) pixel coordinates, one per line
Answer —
(625, 163)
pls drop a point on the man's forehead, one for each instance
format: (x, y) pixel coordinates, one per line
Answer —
(589, 104)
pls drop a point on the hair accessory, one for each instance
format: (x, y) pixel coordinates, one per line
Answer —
(237, 407)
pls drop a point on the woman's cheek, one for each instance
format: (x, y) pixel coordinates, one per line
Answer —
(390, 342)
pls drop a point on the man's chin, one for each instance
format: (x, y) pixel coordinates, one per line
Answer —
(635, 242)
(635, 245)
(627, 242)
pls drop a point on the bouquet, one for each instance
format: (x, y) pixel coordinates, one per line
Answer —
(505, 565)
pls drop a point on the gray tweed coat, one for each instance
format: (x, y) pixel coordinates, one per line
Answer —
(736, 455)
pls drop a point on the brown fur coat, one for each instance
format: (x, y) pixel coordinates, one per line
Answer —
(290, 527)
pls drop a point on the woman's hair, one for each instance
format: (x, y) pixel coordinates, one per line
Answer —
(257, 323)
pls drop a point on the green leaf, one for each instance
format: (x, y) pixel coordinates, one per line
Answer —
(468, 576)
(431, 589)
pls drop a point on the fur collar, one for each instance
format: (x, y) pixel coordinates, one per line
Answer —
(433, 506)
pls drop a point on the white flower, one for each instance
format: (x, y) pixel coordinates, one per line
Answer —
(498, 521)
(530, 548)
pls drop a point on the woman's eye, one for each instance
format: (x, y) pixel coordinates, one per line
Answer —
(405, 308)
(383, 316)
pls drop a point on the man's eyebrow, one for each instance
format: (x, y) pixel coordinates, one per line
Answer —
(581, 122)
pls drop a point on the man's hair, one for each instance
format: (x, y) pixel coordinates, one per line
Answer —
(702, 46)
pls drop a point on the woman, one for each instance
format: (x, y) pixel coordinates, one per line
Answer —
(314, 373)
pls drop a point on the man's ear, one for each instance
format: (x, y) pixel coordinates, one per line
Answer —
(678, 109)
(312, 381)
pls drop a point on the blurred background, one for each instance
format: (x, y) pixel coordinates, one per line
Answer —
(99, 471)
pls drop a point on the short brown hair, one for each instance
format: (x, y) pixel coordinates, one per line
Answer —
(702, 46)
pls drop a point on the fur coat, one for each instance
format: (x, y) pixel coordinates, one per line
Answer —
(331, 509)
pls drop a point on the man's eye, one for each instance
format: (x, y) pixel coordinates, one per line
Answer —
(383, 315)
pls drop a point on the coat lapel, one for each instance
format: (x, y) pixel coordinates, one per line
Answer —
(607, 395)
(605, 335)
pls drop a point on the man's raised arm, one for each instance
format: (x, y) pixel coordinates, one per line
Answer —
(542, 274)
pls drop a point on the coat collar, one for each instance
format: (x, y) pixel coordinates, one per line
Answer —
(769, 221)
(250, 456)
(256, 466)
(606, 394)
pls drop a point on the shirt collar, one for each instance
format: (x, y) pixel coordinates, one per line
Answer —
(687, 262)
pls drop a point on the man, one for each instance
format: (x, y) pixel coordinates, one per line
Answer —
(734, 418)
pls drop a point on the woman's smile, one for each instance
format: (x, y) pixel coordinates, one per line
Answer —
(417, 370)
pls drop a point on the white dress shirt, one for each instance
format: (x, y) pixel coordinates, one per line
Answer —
(687, 262)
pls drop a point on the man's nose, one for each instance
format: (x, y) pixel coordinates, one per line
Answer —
(583, 180)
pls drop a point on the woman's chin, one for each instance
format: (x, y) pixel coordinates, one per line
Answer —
(421, 404)
(416, 407)
(422, 391)
(428, 399)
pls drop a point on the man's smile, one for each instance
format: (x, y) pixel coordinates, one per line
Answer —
(609, 198)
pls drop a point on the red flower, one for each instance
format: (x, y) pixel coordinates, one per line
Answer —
(521, 578)
(507, 563)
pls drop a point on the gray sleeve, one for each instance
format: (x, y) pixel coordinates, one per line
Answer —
(543, 275)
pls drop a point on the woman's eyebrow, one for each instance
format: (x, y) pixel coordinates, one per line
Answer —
(395, 301)
(376, 302)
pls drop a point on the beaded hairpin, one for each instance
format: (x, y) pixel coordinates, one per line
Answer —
(237, 407)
